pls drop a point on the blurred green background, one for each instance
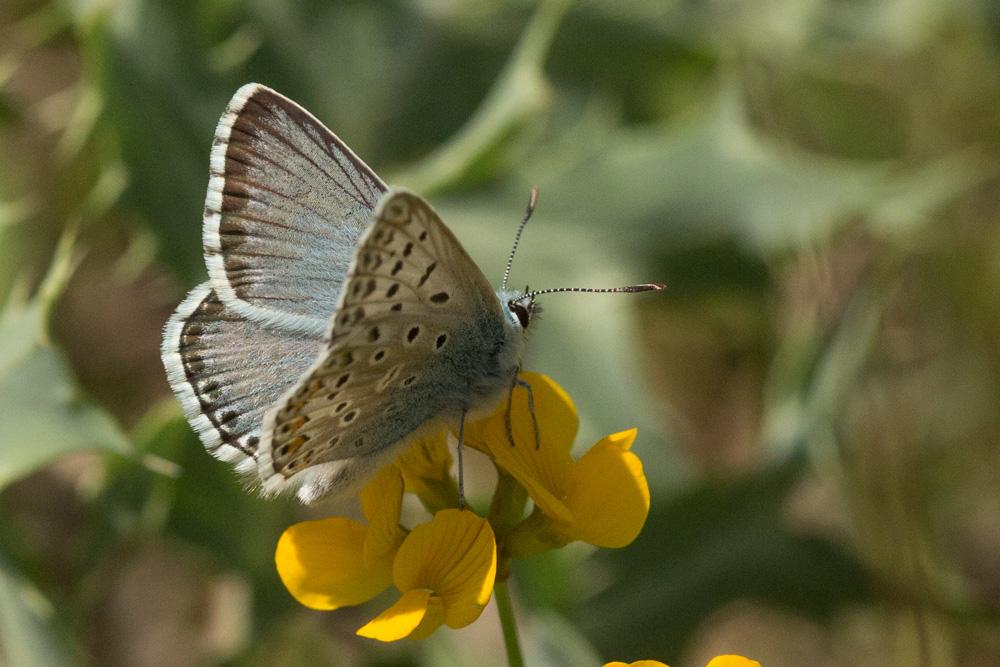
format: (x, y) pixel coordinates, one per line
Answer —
(817, 390)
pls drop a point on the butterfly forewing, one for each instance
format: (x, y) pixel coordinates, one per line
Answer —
(388, 370)
(287, 202)
(228, 371)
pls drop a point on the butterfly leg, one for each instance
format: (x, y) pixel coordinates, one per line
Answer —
(461, 468)
(510, 407)
(531, 409)
(518, 382)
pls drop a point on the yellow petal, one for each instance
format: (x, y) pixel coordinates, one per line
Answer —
(381, 502)
(432, 619)
(322, 564)
(542, 472)
(427, 457)
(455, 557)
(637, 663)
(540, 467)
(426, 469)
(399, 620)
(383, 495)
(554, 411)
(623, 439)
(732, 661)
(607, 495)
(534, 535)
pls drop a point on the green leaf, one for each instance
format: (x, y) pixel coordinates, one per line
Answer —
(813, 376)
(44, 415)
(696, 181)
(23, 322)
(46, 418)
(520, 94)
(21, 329)
(26, 634)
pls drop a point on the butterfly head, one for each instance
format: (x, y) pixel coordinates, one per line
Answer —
(521, 307)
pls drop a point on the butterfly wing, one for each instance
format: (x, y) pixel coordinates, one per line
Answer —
(414, 337)
(227, 371)
(287, 202)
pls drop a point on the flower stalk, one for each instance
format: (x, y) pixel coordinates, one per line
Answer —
(509, 625)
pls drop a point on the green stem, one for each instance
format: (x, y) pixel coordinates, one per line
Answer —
(509, 625)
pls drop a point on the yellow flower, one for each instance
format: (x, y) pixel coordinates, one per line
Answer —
(601, 498)
(426, 468)
(445, 570)
(732, 661)
(719, 661)
(339, 562)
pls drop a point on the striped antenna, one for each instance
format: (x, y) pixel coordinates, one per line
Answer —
(644, 287)
(532, 200)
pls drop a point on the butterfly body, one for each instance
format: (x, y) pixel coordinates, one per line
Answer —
(342, 319)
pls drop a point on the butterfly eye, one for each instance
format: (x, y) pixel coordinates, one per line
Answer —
(522, 313)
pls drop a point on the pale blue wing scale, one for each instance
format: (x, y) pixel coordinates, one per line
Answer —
(287, 202)
(227, 371)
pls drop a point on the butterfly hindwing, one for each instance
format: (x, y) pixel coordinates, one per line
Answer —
(228, 371)
(287, 202)
(414, 311)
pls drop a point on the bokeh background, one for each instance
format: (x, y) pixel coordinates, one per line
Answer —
(817, 390)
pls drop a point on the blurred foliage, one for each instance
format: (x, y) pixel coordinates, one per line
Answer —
(816, 181)
(36, 390)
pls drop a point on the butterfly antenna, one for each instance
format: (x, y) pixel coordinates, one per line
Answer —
(644, 287)
(532, 200)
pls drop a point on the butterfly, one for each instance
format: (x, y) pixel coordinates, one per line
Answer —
(341, 319)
